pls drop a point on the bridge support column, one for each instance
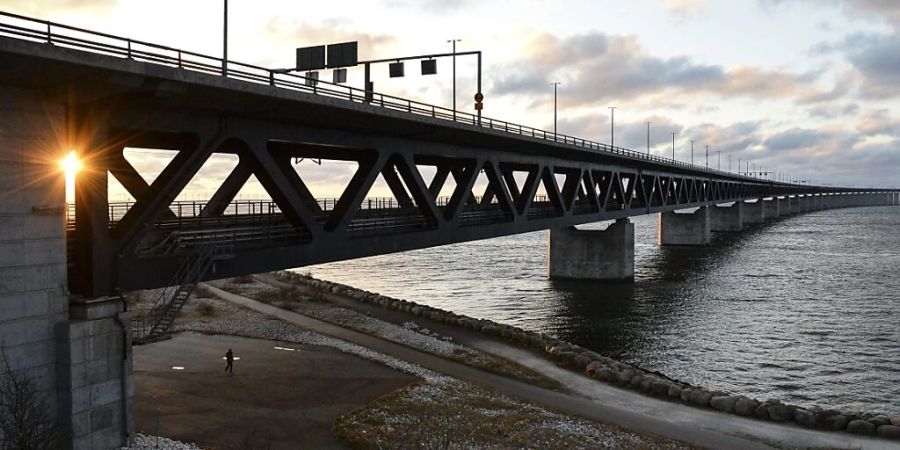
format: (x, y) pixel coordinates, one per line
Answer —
(592, 254)
(770, 207)
(95, 374)
(34, 301)
(726, 218)
(755, 212)
(784, 206)
(684, 228)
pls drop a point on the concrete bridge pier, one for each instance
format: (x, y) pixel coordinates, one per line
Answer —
(770, 207)
(592, 254)
(685, 228)
(784, 206)
(77, 353)
(755, 212)
(727, 218)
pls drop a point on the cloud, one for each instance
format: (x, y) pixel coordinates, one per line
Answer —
(600, 67)
(878, 122)
(47, 7)
(683, 7)
(875, 59)
(431, 6)
(302, 33)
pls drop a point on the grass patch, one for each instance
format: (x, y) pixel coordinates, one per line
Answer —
(459, 415)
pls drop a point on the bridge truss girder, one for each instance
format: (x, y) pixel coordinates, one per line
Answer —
(119, 255)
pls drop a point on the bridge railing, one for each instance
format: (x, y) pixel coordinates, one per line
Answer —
(35, 30)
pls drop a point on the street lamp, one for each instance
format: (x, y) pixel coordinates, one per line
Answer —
(555, 84)
(707, 157)
(692, 152)
(648, 138)
(454, 41)
(612, 127)
(225, 41)
(673, 146)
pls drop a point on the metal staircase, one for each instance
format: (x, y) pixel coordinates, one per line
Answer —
(154, 326)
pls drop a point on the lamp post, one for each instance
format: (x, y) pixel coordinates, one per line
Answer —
(555, 85)
(673, 146)
(612, 126)
(692, 152)
(648, 138)
(707, 157)
(719, 164)
(225, 41)
(454, 41)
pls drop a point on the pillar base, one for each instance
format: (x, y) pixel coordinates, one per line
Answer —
(755, 212)
(592, 254)
(94, 373)
(685, 228)
(727, 218)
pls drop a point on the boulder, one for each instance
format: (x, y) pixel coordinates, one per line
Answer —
(624, 376)
(745, 406)
(647, 384)
(605, 374)
(762, 411)
(834, 423)
(805, 418)
(674, 391)
(861, 427)
(592, 367)
(895, 421)
(724, 403)
(686, 394)
(636, 381)
(660, 388)
(700, 397)
(581, 361)
(781, 413)
(889, 431)
(880, 420)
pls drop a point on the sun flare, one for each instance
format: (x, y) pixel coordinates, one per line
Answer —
(70, 164)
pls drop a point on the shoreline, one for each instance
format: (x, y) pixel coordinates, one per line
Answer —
(624, 375)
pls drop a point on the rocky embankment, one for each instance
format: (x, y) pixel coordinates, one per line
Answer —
(608, 370)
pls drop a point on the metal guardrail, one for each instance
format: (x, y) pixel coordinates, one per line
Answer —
(51, 33)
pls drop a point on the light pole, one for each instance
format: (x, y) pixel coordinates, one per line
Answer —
(555, 85)
(454, 41)
(719, 164)
(673, 146)
(707, 157)
(648, 138)
(692, 152)
(225, 41)
(612, 126)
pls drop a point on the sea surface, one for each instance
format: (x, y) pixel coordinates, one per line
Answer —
(805, 309)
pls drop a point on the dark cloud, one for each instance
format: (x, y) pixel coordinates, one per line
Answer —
(793, 139)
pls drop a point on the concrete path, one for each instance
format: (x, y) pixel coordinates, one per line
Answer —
(596, 400)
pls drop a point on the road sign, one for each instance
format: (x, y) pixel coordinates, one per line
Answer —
(343, 55)
(429, 67)
(395, 69)
(311, 58)
(479, 97)
(479, 106)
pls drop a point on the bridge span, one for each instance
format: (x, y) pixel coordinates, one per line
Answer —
(66, 88)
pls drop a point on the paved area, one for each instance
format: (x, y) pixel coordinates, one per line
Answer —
(276, 398)
(595, 400)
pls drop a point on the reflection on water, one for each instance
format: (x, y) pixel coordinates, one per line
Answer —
(806, 309)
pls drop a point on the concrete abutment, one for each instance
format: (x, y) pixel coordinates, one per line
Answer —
(592, 254)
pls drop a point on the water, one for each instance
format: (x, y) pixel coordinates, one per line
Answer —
(805, 309)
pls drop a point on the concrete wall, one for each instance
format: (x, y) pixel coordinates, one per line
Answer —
(684, 228)
(33, 297)
(726, 218)
(39, 337)
(592, 254)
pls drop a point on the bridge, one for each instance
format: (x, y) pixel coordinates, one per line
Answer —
(63, 87)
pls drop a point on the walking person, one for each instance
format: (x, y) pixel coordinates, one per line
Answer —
(229, 358)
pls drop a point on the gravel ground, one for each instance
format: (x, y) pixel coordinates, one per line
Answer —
(142, 442)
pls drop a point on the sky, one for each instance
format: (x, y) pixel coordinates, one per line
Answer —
(809, 88)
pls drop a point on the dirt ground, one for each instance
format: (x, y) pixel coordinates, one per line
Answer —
(275, 398)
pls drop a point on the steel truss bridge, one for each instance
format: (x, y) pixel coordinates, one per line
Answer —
(122, 93)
